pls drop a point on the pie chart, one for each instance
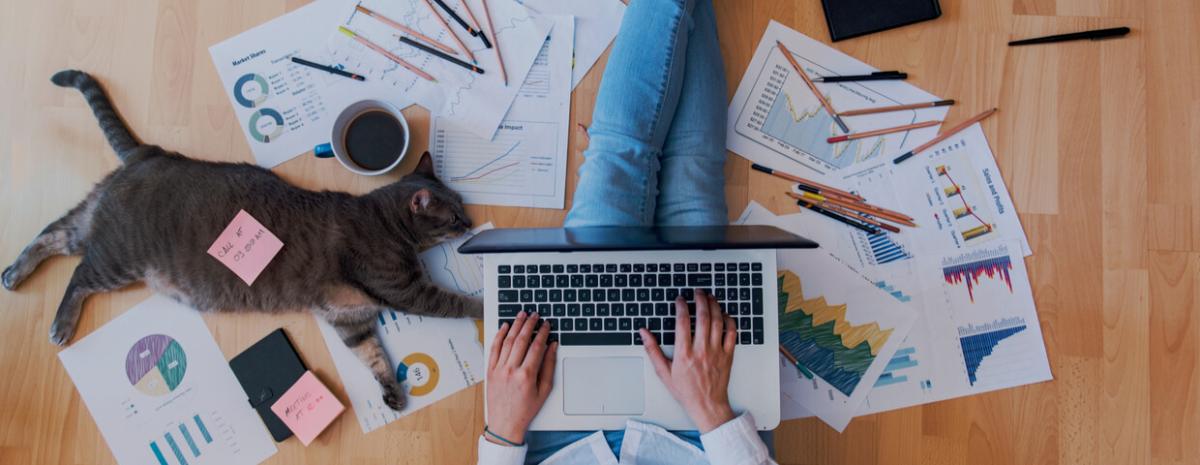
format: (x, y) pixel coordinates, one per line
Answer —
(421, 373)
(155, 365)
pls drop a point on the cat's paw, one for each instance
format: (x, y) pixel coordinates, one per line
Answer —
(394, 397)
(9, 278)
(61, 333)
(474, 309)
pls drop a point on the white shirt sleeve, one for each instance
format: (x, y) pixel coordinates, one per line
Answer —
(736, 443)
(491, 453)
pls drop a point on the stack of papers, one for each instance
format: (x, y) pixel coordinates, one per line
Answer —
(499, 142)
(961, 270)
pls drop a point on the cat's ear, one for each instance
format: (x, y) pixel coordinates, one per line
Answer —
(425, 165)
(420, 200)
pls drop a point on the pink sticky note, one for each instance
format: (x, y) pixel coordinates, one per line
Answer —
(307, 407)
(246, 247)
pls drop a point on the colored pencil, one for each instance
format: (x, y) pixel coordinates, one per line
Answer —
(328, 69)
(880, 132)
(945, 135)
(471, 15)
(796, 363)
(439, 54)
(389, 55)
(858, 216)
(824, 190)
(813, 87)
(847, 221)
(406, 30)
(879, 212)
(876, 76)
(467, 51)
(458, 19)
(1090, 35)
(911, 106)
(487, 15)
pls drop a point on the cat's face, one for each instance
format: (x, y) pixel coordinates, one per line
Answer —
(437, 211)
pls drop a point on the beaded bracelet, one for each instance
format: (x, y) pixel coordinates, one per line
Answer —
(501, 438)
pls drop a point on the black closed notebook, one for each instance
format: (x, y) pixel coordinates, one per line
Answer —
(266, 371)
(853, 18)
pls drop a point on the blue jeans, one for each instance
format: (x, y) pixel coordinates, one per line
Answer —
(657, 150)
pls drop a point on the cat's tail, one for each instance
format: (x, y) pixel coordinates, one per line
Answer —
(115, 129)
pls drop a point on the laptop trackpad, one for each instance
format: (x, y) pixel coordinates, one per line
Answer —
(603, 386)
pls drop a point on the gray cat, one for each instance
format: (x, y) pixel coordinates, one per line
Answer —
(344, 257)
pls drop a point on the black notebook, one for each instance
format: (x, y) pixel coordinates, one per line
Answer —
(853, 18)
(266, 371)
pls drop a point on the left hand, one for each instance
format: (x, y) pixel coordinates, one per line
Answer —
(519, 378)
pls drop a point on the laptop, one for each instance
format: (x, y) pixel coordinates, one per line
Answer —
(596, 286)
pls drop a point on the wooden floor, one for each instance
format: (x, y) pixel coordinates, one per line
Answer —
(1097, 142)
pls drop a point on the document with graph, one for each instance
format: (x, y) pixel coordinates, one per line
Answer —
(841, 329)
(432, 357)
(978, 331)
(525, 164)
(775, 119)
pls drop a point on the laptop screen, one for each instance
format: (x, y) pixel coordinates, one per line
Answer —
(612, 238)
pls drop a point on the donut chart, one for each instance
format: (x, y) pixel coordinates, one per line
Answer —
(251, 90)
(266, 125)
(421, 373)
(155, 365)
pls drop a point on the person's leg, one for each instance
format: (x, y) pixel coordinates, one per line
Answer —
(692, 178)
(618, 181)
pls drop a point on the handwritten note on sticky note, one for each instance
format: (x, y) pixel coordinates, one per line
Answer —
(307, 407)
(246, 247)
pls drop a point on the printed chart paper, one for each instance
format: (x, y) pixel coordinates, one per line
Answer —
(775, 120)
(525, 164)
(160, 391)
(433, 357)
(596, 24)
(283, 108)
(476, 102)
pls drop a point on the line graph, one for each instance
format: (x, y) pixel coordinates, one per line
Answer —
(520, 160)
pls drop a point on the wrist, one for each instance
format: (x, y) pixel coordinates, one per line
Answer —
(710, 417)
(511, 433)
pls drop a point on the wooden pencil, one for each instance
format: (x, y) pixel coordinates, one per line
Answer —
(385, 53)
(880, 132)
(407, 30)
(879, 212)
(911, 106)
(478, 27)
(467, 51)
(858, 216)
(824, 189)
(813, 87)
(945, 135)
(839, 218)
(487, 15)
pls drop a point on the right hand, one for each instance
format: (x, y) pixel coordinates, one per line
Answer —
(698, 376)
(520, 376)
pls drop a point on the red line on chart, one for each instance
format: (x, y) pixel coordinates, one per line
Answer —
(946, 172)
(473, 178)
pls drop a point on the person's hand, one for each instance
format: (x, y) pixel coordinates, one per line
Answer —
(698, 376)
(520, 375)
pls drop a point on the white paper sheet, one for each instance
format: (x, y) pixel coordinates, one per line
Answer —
(596, 24)
(434, 357)
(525, 165)
(285, 109)
(775, 120)
(160, 391)
(476, 102)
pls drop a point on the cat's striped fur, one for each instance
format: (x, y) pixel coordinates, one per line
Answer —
(345, 257)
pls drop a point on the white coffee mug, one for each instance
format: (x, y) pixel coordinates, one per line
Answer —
(336, 148)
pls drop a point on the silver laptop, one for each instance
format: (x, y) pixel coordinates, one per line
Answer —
(596, 286)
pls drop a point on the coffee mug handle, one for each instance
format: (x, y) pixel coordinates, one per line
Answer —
(323, 151)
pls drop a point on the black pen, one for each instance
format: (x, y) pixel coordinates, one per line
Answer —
(866, 228)
(328, 69)
(876, 76)
(1092, 35)
(439, 54)
(458, 19)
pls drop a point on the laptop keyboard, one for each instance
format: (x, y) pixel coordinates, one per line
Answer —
(606, 304)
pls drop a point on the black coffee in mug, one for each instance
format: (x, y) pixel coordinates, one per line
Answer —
(374, 140)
